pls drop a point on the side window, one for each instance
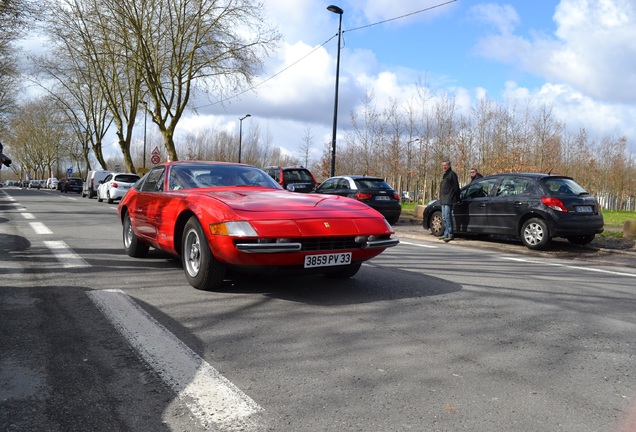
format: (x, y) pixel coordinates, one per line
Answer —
(513, 186)
(478, 189)
(329, 184)
(154, 181)
(343, 184)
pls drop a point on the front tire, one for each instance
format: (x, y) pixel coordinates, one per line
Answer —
(99, 197)
(436, 224)
(534, 234)
(133, 246)
(109, 200)
(201, 269)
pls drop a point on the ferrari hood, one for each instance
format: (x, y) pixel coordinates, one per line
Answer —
(276, 201)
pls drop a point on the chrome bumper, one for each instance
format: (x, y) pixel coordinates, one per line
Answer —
(270, 248)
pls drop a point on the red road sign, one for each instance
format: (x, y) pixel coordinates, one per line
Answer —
(155, 159)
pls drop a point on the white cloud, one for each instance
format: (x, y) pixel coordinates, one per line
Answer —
(592, 51)
(503, 17)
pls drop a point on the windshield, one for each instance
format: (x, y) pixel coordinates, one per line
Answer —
(204, 176)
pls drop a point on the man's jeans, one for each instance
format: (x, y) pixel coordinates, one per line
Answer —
(447, 218)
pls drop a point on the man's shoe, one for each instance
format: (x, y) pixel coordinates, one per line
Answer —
(447, 239)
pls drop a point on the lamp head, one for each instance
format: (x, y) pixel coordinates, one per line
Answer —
(335, 9)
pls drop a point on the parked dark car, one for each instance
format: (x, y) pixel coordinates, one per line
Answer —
(373, 191)
(532, 207)
(73, 185)
(296, 179)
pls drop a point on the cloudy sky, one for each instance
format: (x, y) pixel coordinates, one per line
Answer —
(577, 55)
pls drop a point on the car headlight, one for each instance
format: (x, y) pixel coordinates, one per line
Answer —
(233, 229)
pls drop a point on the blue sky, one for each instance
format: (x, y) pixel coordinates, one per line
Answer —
(578, 56)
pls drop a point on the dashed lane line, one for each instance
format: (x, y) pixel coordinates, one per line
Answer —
(40, 228)
(211, 398)
(65, 255)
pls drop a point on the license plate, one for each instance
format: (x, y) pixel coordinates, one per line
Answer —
(327, 260)
(382, 198)
(583, 209)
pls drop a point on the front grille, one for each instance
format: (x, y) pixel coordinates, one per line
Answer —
(319, 243)
(325, 244)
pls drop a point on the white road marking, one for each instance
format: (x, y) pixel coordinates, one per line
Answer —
(40, 228)
(28, 215)
(590, 269)
(65, 255)
(209, 396)
(417, 244)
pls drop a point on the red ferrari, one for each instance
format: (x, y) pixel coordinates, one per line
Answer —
(222, 218)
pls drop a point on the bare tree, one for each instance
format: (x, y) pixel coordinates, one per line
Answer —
(217, 45)
(16, 16)
(39, 132)
(305, 147)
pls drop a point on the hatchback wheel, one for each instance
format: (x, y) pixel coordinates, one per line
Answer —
(436, 224)
(202, 270)
(133, 246)
(534, 234)
(109, 200)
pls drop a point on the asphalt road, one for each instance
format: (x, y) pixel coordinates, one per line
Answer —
(427, 337)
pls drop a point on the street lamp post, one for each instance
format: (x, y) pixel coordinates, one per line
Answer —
(241, 133)
(339, 11)
(145, 126)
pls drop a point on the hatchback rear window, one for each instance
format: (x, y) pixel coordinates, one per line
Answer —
(563, 186)
(126, 178)
(372, 184)
(297, 175)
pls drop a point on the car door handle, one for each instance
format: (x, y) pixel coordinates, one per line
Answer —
(518, 204)
(482, 205)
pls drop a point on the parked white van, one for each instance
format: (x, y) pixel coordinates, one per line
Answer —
(92, 182)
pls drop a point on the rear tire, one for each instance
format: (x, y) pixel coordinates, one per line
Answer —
(133, 246)
(436, 224)
(534, 234)
(201, 269)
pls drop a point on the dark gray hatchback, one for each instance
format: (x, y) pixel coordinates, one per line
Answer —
(373, 191)
(532, 207)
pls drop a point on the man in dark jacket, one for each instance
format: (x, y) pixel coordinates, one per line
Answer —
(449, 195)
(474, 174)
